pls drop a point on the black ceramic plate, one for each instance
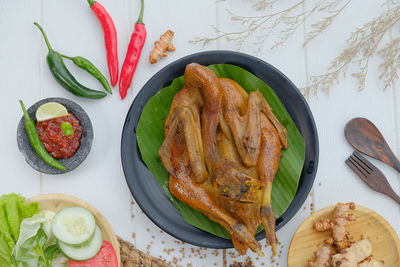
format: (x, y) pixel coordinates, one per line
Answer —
(71, 163)
(150, 196)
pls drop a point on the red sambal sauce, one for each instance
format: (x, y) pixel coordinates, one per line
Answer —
(55, 141)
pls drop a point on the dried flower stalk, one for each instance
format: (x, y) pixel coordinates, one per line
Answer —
(361, 47)
(261, 27)
(262, 4)
(362, 44)
(391, 63)
(334, 10)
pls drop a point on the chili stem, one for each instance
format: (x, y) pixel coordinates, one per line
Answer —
(91, 2)
(44, 36)
(65, 56)
(140, 19)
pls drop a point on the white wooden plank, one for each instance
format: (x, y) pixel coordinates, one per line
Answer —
(20, 79)
(151, 239)
(338, 182)
(395, 145)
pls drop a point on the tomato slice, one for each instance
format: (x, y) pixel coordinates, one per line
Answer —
(107, 257)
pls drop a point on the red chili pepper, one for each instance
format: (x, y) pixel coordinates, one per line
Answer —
(132, 57)
(110, 38)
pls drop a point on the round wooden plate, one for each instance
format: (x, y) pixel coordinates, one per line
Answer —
(56, 202)
(385, 242)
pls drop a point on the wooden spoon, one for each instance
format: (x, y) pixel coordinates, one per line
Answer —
(367, 139)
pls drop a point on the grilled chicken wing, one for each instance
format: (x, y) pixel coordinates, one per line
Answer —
(222, 150)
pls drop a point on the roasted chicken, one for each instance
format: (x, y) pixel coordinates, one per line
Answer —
(222, 149)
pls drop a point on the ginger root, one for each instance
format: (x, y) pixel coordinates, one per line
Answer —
(162, 46)
(353, 255)
(337, 224)
(323, 255)
(340, 250)
(322, 225)
(341, 217)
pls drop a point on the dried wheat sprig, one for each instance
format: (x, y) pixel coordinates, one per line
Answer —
(262, 26)
(257, 4)
(254, 23)
(391, 63)
(320, 26)
(294, 22)
(262, 4)
(362, 44)
(361, 47)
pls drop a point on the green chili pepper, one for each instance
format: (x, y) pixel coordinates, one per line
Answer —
(62, 74)
(85, 64)
(66, 128)
(34, 140)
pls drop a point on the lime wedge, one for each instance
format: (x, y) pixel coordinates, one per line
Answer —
(50, 111)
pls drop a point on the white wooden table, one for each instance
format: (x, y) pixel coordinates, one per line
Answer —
(73, 29)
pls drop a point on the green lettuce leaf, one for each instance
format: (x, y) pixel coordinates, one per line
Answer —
(6, 239)
(5, 251)
(16, 209)
(13, 209)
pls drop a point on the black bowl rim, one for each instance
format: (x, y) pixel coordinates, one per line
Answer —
(312, 149)
(71, 163)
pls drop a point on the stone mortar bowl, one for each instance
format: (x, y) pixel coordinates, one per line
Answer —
(71, 163)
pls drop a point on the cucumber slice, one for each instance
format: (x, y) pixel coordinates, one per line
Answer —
(85, 252)
(74, 226)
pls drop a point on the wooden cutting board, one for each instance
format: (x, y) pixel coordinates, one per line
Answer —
(56, 202)
(385, 242)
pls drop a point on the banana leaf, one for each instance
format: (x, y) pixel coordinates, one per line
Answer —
(150, 135)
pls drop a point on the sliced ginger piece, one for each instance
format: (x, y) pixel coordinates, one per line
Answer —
(162, 46)
(353, 255)
(322, 255)
(371, 263)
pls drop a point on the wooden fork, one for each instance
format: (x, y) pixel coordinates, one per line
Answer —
(371, 175)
